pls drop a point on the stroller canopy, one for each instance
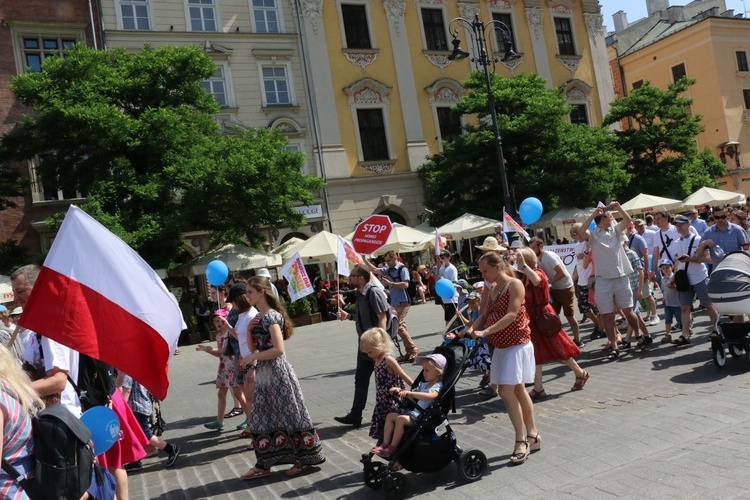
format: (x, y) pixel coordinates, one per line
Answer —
(729, 286)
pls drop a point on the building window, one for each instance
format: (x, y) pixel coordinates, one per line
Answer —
(678, 72)
(356, 29)
(372, 134)
(217, 86)
(449, 123)
(746, 97)
(134, 14)
(579, 114)
(276, 86)
(434, 29)
(564, 31)
(638, 84)
(266, 16)
(508, 21)
(202, 15)
(741, 60)
(37, 48)
(45, 187)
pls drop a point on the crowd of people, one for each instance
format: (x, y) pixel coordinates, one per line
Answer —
(512, 315)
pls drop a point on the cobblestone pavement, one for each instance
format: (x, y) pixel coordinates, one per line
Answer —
(662, 424)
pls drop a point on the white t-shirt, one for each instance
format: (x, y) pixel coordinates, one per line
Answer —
(449, 272)
(668, 236)
(548, 261)
(243, 320)
(583, 273)
(650, 237)
(64, 358)
(696, 271)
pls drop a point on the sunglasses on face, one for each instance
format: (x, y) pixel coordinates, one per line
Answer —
(720, 216)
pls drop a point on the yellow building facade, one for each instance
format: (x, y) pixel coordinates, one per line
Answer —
(713, 49)
(383, 85)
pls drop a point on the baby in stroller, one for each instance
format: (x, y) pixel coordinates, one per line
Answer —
(425, 394)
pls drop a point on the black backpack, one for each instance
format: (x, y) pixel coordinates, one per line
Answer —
(411, 289)
(63, 457)
(95, 382)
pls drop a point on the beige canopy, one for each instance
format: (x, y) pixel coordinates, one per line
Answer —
(644, 203)
(711, 196)
(6, 290)
(563, 217)
(323, 247)
(404, 239)
(468, 226)
(236, 257)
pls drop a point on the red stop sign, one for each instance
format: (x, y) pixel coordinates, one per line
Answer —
(371, 234)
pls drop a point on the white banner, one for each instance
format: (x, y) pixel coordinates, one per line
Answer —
(567, 255)
(346, 257)
(295, 274)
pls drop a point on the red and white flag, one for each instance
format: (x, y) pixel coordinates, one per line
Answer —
(510, 225)
(96, 295)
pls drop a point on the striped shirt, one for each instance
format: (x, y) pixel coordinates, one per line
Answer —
(140, 399)
(635, 263)
(18, 445)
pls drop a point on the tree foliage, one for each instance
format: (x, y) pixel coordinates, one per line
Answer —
(546, 156)
(135, 134)
(663, 157)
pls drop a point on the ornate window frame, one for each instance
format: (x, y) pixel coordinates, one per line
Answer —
(444, 93)
(565, 9)
(368, 93)
(295, 136)
(579, 92)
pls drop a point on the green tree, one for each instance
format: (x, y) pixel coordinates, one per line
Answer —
(546, 156)
(663, 157)
(135, 134)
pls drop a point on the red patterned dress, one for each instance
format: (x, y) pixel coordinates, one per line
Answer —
(280, 424)
(546, 349)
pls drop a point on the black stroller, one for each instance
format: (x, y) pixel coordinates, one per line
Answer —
(430, 444)
(729, 290)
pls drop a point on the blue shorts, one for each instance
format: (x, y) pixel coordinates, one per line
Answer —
(671, 312)
(143, 421)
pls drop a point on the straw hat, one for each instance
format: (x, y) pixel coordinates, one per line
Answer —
(491, 245)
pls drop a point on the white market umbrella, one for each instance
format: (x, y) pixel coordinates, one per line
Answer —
(290, 243)
(404, 239)
(644, 203)
(468, 226)
(6, 290)
(323, 247)
(236, 257)
(712, 196)
(563, 216)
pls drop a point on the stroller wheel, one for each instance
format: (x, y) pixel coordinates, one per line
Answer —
(720, 357)
(373, 475)
(395, 486)
(735, 350)
(471, 465)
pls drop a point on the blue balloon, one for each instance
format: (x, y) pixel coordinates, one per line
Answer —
(444, 288)
(217, 272)
(104, 426)
(592, 226)
(530, 210)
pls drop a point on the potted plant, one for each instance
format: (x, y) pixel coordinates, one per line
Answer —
(304, 311)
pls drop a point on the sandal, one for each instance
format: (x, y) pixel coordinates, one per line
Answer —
(666, 339)
(681, 340)
(234, 413)
(536, 445)
(294, 471)
(246, 433)
(255, 473)
(613, 354)
(518, 457)
(534, 394)
(580, 381)
(641, 344)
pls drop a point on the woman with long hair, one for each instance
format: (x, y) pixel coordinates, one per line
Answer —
(503, 320)
(279, 421)
(546, 348)
(18, 403)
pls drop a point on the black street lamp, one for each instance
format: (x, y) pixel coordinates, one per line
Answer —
(478, 32)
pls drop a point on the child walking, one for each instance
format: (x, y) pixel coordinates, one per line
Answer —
(671, 299)
(482, 358)
(376, 343)
(225, 378)
(425, 394)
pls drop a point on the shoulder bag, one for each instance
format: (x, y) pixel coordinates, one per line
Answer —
(681, 281)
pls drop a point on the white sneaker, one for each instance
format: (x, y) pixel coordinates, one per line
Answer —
(654, 321)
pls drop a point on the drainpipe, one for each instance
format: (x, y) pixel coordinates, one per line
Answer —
(102, 32)
(93, 26)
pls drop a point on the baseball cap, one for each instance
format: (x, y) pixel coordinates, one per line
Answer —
(3, 308)
(236, 290)
(666, 262)
(639, 222)
(462, 283)
(17, 311)
(438, 359)
(516, 244)
(473, 296)
(681, 219)
(264, 272)
(478, 284)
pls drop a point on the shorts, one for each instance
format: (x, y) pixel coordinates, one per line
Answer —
(143, 421)
(513, 365)
(636, 308)
(612, 294)
(239, 375)
(648, 288)
(563, 299)
(670, 313)
(697, 290)
(449, 311)
(584, 306)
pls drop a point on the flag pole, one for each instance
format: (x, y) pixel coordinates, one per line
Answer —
(14, 335)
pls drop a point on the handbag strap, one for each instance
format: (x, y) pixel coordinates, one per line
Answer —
(664, 245)
(690, 249)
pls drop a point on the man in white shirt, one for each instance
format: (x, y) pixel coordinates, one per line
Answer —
(562, 290)
(58, 361)
(686, 251)
(449, 272)
(612, 267)
(648, 284)
(583, 271)
(664, 237)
